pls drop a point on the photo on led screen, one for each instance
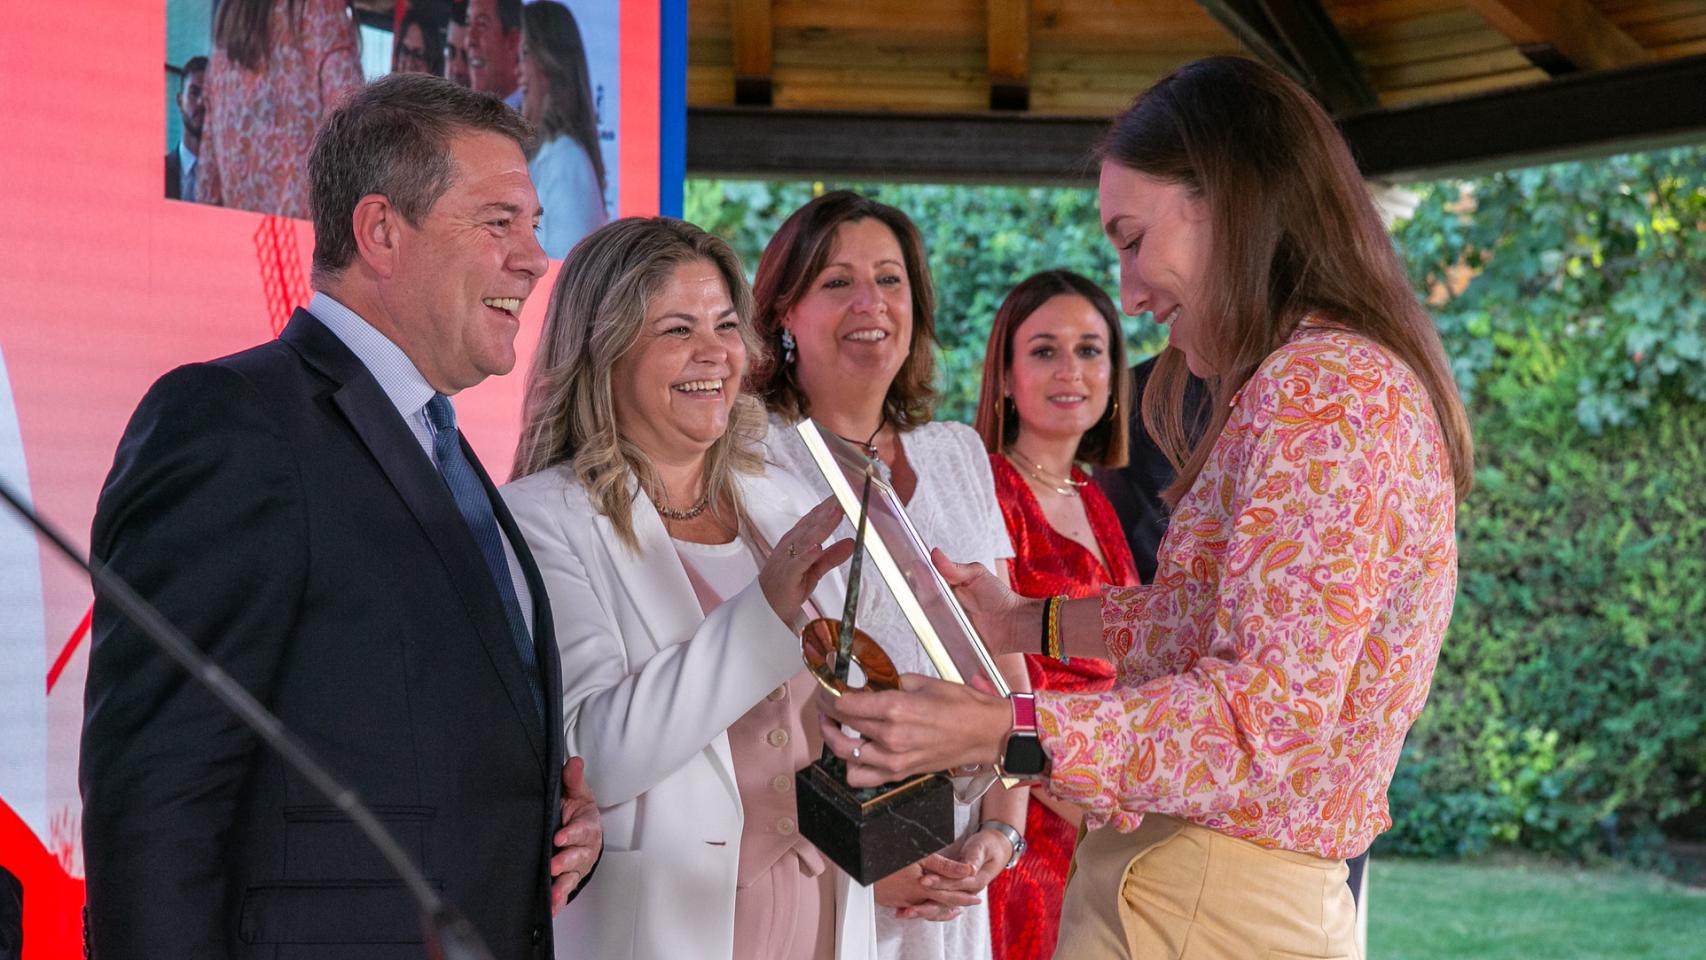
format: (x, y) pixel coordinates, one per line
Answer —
(248, 81)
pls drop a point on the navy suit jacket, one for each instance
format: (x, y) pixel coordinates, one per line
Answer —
(275, 507)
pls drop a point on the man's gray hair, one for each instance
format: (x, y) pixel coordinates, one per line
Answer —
(392, 137)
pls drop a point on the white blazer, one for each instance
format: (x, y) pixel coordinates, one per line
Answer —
(650, 687)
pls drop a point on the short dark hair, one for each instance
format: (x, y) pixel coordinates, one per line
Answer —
(509, 15)
(195, 64)
(392, 137)
(459, 12)
(792, 260)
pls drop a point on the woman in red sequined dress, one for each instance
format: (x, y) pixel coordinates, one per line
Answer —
(1051, 400)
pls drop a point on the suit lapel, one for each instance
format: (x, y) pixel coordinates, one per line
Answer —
(417, 482)
(663, 598)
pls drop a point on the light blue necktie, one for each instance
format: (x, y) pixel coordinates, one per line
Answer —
(470, 496)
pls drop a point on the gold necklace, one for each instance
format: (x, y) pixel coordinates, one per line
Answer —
(1035, 470)
(689, 513)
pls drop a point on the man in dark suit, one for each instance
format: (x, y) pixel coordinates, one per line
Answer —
(181, 162)
(308, 513)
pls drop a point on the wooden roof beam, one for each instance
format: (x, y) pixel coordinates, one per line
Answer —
(1562, 36)
(1299, 38)
(1009, 54)
(1590, 114)
(753, 51)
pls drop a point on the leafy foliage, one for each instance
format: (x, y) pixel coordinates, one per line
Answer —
(1568, 711)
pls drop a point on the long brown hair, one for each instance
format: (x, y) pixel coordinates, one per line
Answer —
(998, 419)
(1294, 233)
(791, 262)
(553, 42)
(243, 29)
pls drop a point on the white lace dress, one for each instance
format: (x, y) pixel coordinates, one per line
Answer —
(953, 507)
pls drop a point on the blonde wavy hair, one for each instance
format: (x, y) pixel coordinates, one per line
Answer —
(597, 310)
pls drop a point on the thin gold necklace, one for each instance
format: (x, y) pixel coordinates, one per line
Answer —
(1035, 470)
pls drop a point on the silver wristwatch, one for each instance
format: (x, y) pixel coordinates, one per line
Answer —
(1013, 835)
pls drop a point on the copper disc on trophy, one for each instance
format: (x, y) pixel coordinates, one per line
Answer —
(819, 644)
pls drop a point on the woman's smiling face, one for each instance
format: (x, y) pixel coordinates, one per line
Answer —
(855, 320)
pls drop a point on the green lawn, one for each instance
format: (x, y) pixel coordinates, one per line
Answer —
(1421, 910)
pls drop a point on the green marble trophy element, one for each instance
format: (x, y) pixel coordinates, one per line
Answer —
(869, 832)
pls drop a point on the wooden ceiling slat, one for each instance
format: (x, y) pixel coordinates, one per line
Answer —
(1687, 49)
(1448, 89)
(1353, 15)
(1448, 69)
(749, 22)
(1481, 40)
(1628, 13)
(918, 22)
(1661, 32)
(1009, 54)
(1574, 28)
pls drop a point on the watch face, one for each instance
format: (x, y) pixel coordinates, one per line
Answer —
(1025, 757)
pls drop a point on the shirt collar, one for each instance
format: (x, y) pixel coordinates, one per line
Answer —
(397, 375)
(185, 157)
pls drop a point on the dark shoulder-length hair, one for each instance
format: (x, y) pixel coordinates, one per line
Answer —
(554, 44)
(1295, 234)
(1103, 445)
(786, 270)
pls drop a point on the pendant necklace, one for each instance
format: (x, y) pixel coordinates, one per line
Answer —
(869, 444)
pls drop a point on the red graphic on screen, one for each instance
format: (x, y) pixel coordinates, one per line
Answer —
(281, 270)
(70, 648)
(52, 923)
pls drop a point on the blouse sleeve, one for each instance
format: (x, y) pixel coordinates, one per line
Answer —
(330, 37)
(1300, 581)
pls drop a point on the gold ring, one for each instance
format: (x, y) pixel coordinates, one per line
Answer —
(793, 551)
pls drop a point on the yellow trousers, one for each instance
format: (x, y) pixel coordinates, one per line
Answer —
(1172, 890)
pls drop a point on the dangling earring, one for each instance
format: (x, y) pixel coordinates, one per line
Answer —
(787, 345)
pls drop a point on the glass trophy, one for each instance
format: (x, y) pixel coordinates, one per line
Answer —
(871, 832)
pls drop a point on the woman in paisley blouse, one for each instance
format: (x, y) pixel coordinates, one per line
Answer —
(279, 67)
(1054, 396)
(1265, 680)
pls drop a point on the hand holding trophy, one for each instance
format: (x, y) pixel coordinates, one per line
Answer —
(871, 831)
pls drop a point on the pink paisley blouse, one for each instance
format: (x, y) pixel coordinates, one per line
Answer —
(1266, 678)
(260, 125)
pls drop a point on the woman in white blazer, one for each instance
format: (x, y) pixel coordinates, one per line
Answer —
(678, 565)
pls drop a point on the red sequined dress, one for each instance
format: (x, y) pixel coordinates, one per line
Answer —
(1024, 902)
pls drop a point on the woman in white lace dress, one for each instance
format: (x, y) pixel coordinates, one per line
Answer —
(844, 301)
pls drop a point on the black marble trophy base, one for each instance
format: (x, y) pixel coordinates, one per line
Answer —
(871, 832)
